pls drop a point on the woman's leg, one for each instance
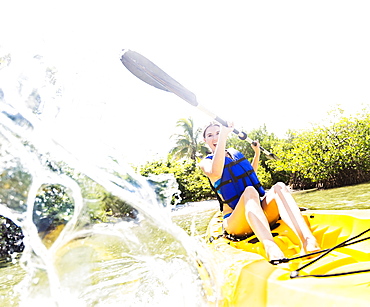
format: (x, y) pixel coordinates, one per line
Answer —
(248, 216)
(291, 215)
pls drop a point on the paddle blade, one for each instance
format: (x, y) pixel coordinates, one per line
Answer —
(139, 66)
(150, 73)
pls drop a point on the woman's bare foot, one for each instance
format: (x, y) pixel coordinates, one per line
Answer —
(273, 252)
(310, 245)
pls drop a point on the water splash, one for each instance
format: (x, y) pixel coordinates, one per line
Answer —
(96, 233)
(166, 188)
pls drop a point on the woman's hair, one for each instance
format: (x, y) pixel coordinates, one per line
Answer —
(211, 124)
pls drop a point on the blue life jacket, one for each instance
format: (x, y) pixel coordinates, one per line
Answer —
(238, 174)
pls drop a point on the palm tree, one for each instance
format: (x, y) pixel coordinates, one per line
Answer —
(187, 144)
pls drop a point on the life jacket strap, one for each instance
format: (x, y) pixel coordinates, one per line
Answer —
(227, 201)
(234, 162)
(246, 174)
(220, 201)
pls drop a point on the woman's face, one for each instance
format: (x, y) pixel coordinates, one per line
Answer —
(211, 137)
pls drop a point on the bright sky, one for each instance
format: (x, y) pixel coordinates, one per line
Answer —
(280, 63)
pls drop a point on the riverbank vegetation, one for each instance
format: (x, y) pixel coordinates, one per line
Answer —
(330, 155)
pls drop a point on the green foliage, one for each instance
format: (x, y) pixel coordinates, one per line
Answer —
(265, 177)
(194, 186)
(327, 156)
(187, 143)
(266, 139)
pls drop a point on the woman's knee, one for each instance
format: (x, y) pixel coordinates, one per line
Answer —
(250, 193)
(279, 186)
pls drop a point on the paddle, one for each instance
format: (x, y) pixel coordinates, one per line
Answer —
(150, 73)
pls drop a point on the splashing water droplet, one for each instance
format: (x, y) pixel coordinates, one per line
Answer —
(95, 232)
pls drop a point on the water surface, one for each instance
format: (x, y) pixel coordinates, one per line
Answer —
(350, 197)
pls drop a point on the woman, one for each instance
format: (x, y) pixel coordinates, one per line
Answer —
(246, 206)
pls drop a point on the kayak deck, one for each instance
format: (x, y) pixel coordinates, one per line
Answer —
(247, 277)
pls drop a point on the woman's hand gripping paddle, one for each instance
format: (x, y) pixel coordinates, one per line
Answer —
(150, 73)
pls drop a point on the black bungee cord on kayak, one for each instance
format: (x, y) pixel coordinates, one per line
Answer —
(295, 274)
(343, 244)
(324, 252)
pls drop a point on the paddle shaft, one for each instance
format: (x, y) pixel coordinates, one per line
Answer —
(151, 74)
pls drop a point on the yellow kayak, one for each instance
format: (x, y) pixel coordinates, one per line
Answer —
(338, 277)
